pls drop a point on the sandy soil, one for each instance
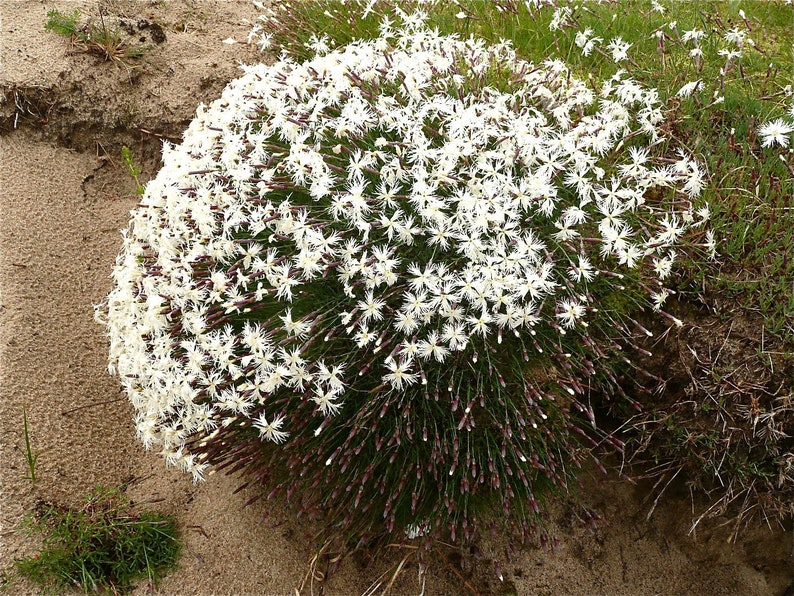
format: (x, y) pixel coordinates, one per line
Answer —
(63, 199)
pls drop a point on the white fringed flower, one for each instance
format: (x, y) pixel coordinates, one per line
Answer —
(380, 208)
(776, 132)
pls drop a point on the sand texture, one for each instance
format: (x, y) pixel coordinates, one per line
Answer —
(64, 196)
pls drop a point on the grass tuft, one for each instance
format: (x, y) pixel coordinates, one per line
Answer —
(95, 38)
(105, 545)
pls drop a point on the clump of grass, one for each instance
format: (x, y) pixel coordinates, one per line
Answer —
(105, 545)
(95, 37)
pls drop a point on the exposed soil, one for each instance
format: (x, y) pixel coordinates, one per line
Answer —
(64, 196)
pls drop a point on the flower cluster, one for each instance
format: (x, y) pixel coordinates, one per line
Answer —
(410, 247)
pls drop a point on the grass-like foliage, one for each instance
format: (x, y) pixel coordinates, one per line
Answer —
(384, 281)
(95, 37)
(31, 457)
(106, 545)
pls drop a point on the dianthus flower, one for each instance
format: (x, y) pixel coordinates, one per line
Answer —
(775, 132)
(356, 235)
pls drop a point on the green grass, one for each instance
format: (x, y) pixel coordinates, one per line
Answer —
(95, 37)
(31, 457)
(105, 545)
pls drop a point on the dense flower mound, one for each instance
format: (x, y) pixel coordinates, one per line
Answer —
(384, 280)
